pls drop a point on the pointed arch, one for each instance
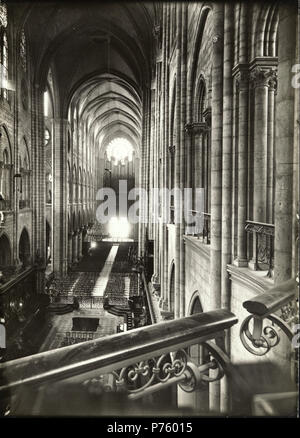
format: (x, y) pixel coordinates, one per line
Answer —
(6, 173)
(200, 99)
(202, 19)
(195, 305)
(24, 248)
(5, 251)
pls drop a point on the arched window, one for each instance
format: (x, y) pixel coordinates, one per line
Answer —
(24, 248)
(4, 64)
(23, 53)
(5, 170)
(6, 179)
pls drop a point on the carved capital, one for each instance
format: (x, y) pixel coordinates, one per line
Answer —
(273, 81)
(261, 77)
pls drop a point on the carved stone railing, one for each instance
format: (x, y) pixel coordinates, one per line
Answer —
(263, 247)
(264, 335)
(139, 362)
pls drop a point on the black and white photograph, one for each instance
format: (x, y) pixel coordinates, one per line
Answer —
(149, 212)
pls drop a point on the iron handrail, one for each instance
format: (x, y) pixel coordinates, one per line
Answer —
(104, 355)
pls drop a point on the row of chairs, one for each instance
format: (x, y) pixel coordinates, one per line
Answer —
(75, 284)
(72, 338)
(85, 284)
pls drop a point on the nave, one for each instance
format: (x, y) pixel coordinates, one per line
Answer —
(149, 205)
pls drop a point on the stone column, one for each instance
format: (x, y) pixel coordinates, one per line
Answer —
(151, 226)
(271, 129)
(183, 91)
(227, 182)
(163, 156)
(38, 241)
(242, 89)
(178, 163)
(144, 171)
(156, 155)
(166, 28)
(206, 141)
(284, 143)
(192, 168)
(216, 156)
(240, 136)
(60, 197)
(260, 77)
(197, 134)
(216, 174)
(199, 152)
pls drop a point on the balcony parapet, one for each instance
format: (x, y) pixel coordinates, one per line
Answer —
(202, 225)
(197, 245)
(121, 353)
(263, 248)
(256, 281)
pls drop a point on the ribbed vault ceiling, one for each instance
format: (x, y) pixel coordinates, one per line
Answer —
(111, 108)
(101, 58)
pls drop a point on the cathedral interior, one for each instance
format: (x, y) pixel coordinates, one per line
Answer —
(112, 111)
